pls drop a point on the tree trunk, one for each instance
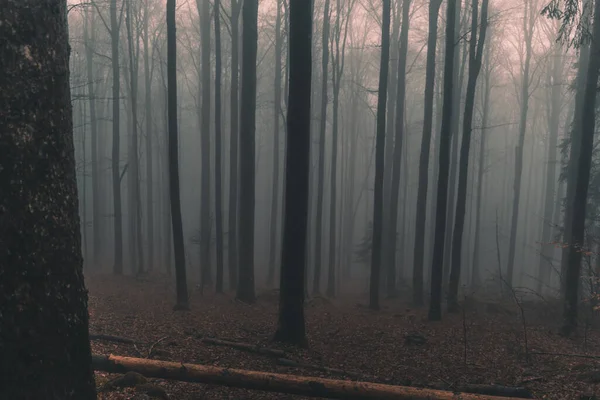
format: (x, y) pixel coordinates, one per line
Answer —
(245, 290)
(435, 307)
(392, 223)
(177, 226)
(218, 149)
(43, 301)
(270, 382)
(475, 58)
(232, 235)
(149, 143)
(274, 228)
(588, 124)
(421, 217)
(291, 327)
(322, 145)
(528, 28)
(89, 39)
(116, 144)
(376, 249)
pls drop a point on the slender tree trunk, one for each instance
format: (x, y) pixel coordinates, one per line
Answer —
(218, 149)
(528, 28)
(588, 124)
(435, 307)
(475, 274)
(419, 251)
(291, 327)
(322, 145)
(475, 58)
(43, 301)
(177, 226)
(245, 289)
(89, 39)
(116, 140)
(149, 143)
(233, 149)
(376, 248)
(274, 229)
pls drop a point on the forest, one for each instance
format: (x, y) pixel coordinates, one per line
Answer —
(289, 199)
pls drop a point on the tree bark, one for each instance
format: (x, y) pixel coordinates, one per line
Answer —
(245, 289)
(149, 142)
(116, 144)
(175, 200)
(43, 301)
(376, 248)
(218, 149)
(421, 217)
(435, 306)
(271, 382)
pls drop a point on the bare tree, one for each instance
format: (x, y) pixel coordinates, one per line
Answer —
(376, 249)
(245, 289)
(180, 273)
(218, 148)
(291, 327)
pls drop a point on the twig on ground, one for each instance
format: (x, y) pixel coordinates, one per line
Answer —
(111, 338)
(154, 345)
(541, 353)
(245, 347)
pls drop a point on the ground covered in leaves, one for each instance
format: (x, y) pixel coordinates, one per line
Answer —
(485, 344)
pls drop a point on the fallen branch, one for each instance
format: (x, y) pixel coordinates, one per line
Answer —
(154, 345)
(291, 363)
(245, 347)
(488, 390)
(111, 338)
(539, 353)
(271, 382)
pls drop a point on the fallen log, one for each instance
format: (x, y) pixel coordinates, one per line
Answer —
(293, 364)
(246, 347)
(271, 382)
(489, 390)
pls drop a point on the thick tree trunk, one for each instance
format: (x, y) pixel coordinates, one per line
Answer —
(274, 228)
(435, 307)
(322, 145)
(245, 289)
(175, 200)
(376, 249)
(291, 327)
(421, 217)
(271, 382)
(232, 235)
(43, 301)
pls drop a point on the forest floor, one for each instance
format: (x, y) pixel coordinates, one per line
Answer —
(486, 344)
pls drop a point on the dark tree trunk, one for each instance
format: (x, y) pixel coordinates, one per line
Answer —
(177, 226)
(232, 234)
(435, 307)
(149, 143)
(322, 145)
(43, 301)
(528, 27)
(205, 269)
(475, 274)
(588, 124)
(218, 149)
(392, 222)
(421, 217)
(376, 249)
(245, 289)
(89, 39)
(116, 144)
(291, 327)
(274, 228)
(475, 58)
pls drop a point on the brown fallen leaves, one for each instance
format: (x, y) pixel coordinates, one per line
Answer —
(342, 337)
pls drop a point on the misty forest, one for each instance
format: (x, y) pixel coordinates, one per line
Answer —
(286, 199)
